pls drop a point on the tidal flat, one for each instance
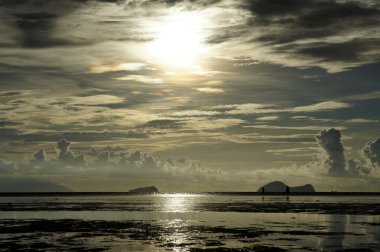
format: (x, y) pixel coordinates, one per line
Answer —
(190, 222)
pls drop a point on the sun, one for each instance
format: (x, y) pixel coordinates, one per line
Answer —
(179, 40)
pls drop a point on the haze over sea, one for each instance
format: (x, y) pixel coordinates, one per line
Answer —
(190, 222)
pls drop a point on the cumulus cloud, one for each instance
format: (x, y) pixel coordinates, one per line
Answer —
(357, 167)
(336, 162)
(40, 155)
(66, 155)
(104, 156)
(371, 152)
(114, 162)
(329, 141)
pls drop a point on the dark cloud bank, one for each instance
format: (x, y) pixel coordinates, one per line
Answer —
(335, 35)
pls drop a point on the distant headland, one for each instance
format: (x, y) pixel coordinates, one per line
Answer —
(278, 187)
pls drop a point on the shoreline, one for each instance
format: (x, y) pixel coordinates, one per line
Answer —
(81, 194)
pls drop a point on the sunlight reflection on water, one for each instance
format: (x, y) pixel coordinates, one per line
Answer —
(178, 202)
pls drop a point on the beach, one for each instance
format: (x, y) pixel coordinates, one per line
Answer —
(190, 222)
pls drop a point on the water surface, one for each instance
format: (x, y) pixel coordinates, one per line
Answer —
(190, 222)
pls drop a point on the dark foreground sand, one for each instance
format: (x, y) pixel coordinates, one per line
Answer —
(70, 235)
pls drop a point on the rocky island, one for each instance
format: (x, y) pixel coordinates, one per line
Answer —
(278, 186)
(144, 190)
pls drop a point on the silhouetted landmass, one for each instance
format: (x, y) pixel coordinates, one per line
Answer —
(28, 185)
(145, 190)
(278, 187)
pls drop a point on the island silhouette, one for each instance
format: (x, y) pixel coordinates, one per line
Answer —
(279, 187)
(144, 190)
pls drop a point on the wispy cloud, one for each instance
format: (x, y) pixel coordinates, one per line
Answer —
(256, 108)
(361, 120)
(303, 128)
(361, 97)
(210, 90)
(322, 106)
(117, 67)
(268, 118)
(214, 82)
(141, 78)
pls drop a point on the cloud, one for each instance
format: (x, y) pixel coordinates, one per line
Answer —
(309, 127)
(268, 118)
(190, 113)
(104, 157)
(66, 155)
(112, 161)
(257, 108)
(214, 82)
(210, 90)
(362, 97)
(163, 124)
(207, 124)
(322, 106)
(329, 141)
(64, 150)
(290, 150)
(43, 24)
(116, 163)
(371, 152)
(251, 108)
(334, 35)
(311, 118)
(190, 4)
(141, 78)
(361, 120)
(40, 155)
(94, 100)
(8, 134)
(20, 92)
(357, 167)
(118, 67)
(36, 22)
(262, 138)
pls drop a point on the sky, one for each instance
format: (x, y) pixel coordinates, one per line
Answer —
(189, 95)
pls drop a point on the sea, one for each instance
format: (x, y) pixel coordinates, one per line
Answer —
(189, 222)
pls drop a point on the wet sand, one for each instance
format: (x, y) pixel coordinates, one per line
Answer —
(286, 207)
(188, 223)
(71, 234)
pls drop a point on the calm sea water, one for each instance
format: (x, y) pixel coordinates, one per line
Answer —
(190, 222)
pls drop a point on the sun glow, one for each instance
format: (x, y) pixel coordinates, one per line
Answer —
(179, 40)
